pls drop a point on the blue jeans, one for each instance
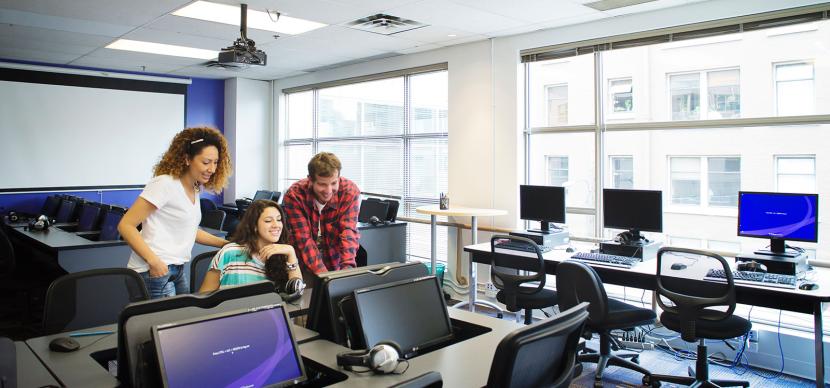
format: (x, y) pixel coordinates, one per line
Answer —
(173, 283)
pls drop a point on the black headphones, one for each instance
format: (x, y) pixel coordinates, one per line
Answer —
(40, 223)
(383, 358)
(751, 266)
(291, 290)
(375, 221)
(19, 216)
(627, 238)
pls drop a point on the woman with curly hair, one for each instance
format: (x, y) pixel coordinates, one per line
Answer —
(169, 213)
(259, 251)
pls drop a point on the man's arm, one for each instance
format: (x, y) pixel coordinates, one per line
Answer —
(348, 244)
(301, 236)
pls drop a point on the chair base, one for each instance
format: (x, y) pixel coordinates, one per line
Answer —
(605, 360)
(701, 377)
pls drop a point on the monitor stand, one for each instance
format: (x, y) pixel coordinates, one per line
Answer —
(547, 228)
(778, 247)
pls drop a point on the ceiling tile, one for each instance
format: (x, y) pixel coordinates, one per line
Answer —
(61, 24)
(432, 34)
(529, 11)
(456, 16)
(139, 59)
(356, 39)
(226, 32)
(120, 12)
(176, 38)
(128, 65)
(35, 55)
(421, 48)
(321, 11)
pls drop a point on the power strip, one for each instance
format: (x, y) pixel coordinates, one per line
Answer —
(637, 345)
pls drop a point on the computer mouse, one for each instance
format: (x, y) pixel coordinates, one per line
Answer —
(570, 249)
(64, 345)
(808, 286)
(678, 266)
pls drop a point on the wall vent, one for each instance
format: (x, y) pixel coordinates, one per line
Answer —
(384, 24)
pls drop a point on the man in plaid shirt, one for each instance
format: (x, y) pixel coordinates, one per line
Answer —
(321, 212)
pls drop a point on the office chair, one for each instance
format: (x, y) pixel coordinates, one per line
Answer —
(540, 355)
(514, 296)
(90, 298)
(198, 268)
(206, 204)
(214, 219)
(577, 283)
(24, 286)
(431, 379)
(8, 363)
(686, 300)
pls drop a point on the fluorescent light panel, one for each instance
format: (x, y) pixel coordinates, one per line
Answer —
(163, 49)
(229, 14)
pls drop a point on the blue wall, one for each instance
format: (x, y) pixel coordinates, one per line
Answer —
(205, 106)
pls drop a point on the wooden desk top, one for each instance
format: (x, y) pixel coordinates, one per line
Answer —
(460, 211)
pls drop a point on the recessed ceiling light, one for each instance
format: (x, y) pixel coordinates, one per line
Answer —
(229, 14)
(451, 35)
(160, 48)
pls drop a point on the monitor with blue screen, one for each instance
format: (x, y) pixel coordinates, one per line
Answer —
(90, 215)
(778, 217)
(109, 226)
(243, 348)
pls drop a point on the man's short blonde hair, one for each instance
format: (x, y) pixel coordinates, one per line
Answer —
(324, 164)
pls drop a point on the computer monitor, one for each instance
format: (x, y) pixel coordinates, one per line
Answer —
(242, 348)
(411, 312)
(109, 225)
(330, 288)
(50, 206)
(369, 208)
(634, 210)
(778, 217)
(263, 194)
(90, 217)
(545, 204)
(66, 211)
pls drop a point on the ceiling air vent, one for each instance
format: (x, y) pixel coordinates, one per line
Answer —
(384, 24)
(605, 5)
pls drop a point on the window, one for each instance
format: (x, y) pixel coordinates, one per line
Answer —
(794, 93)
(684, 242)
(622, 172)
(724, 246)
(685, 181)
(795, 174)
(390, 135)
(557, 170)
(557, 104)
(724, 181)
(622, 98)
(722, 99)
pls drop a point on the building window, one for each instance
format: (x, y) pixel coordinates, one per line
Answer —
(622, 172)
(794, 94)
(722, 98)
(557, 170)
(795, 174)
(684, 242)
(724, 246)
(622, 98)
(718, 177)
(685, 181)
(557, 96)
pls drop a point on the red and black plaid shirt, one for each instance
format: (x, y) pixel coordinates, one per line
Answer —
(338, 220)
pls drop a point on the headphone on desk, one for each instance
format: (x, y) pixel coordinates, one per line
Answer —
(627, 238)
(17, 216)
(291, 290)
(383, 358)
(751, 266)
(40, 223)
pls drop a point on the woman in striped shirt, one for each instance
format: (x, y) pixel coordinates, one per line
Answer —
(259, 251)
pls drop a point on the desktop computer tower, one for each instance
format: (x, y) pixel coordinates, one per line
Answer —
(645, 251)
(550, 239)
(777, 264)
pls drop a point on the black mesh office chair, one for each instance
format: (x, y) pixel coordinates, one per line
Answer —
(515, 296)
(214, 219)
(206, 204)
(540, 355)
(687, 300)
(198, 268)
(90, 298)
(576, 283)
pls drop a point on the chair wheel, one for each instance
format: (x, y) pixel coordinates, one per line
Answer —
(648, 383)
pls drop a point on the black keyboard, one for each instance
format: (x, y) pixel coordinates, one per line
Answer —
(520, 246)
(754, 278)
(606, 259)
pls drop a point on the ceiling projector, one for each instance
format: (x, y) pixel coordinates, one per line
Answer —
(243, 52)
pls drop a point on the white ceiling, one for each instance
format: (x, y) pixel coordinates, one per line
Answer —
(74, 32)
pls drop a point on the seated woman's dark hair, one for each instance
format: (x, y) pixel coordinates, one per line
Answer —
(246, 235)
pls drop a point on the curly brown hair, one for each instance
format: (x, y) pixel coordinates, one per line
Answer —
(183, 149)
(246, 235)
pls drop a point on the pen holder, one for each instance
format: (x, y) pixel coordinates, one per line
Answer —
(444, 202)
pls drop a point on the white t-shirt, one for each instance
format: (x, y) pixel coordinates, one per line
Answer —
(170, 231)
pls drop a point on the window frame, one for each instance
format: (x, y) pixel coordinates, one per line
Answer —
(623, 114)
(778, 157)
(775, 82)
(703, 92)
(705, 206)
(558, 123)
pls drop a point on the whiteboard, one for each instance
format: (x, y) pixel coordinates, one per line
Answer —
(76, 136)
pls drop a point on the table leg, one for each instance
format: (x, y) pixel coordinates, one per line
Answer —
(433, 254)
(473, 281)
(818, 328)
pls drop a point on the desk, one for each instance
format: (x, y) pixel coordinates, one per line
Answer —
(74, 253)
(459, 211)
(30, 371)
(464, 364)
(643, 276)
(383, 243)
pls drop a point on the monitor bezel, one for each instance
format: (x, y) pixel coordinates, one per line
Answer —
(414, 349)
(564, 204)
(165, 326)
(605, 223)
(815, 224)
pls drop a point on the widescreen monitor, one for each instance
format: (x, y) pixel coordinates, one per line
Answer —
(109, 225)
(411, 312)
(545, 204)
(66, 211)
(778, 217)
(633, 210)
(263, 194)
(90, 215)
(243, 348)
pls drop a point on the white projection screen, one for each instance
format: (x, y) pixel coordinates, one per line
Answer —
(62, 131)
